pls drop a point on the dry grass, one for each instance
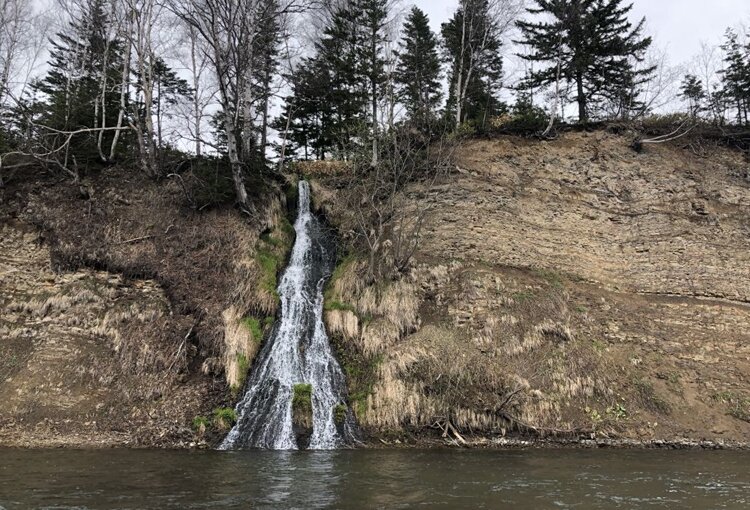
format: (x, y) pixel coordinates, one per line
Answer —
(206, 262)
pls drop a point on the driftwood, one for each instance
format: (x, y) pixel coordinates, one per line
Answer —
(445, 425)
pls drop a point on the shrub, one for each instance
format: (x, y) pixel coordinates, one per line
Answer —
(339, 413)
(200, 424)
(224, 418)
(302, 400)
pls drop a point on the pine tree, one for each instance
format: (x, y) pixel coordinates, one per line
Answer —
(418, 70)
(472, 49)
(72, 89)
(595, 44)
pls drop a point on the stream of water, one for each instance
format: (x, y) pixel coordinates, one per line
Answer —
(297, 352)
(374, 479)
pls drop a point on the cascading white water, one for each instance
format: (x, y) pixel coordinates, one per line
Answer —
(297, 352)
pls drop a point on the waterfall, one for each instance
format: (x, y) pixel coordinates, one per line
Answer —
(297, 352)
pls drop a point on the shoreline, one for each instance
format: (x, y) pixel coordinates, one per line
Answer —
(484, 443)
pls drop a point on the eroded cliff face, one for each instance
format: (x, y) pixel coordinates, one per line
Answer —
(571, 287)
(125, 315)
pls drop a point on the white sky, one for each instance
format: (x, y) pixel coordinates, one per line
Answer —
(677, 25)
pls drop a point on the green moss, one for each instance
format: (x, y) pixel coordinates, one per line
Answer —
(292, 192)
(253, 325)
(268, 321)
(339, 413)
(302, 399)
(267, 238)
(224, 417)
(287, 228)
(269, 264)
(361, 374)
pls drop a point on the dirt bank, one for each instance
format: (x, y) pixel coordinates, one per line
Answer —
(571, 288)
(125, 314)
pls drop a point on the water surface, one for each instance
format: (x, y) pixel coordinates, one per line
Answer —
(363, 479)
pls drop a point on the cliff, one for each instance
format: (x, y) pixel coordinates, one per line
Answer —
(127, 317)
(569, 288)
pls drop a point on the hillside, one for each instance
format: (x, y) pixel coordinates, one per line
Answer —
(124, 313)
(567, 288)
(571, 289)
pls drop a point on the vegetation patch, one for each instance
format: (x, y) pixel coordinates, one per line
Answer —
(224, 418)
(302, 399)
(338, 305)
(269, 264)
(200, 424)
(551, 277)
(739, 406)
(253, 325)
(649, 398)
(339, 413)
(523, 296)
(340, 269)
(302, 410)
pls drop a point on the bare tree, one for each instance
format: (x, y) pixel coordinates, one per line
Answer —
(386, 205)
(229, 30)
(23, 33)
(139, 36)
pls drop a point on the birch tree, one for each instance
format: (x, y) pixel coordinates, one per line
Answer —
(229, 30)
(472, 40)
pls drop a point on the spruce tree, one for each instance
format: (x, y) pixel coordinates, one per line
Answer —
(340, 59)
(308, 115)
(169, 90)
(374, 14)
(736, 75)
(472, 49)
(595, 44)
(692, 90)
(71, 90)
(418, 71)
(266, 63)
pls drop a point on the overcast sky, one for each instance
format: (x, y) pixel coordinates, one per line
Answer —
(677, 25)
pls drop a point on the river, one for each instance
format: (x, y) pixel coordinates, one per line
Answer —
(363, 479)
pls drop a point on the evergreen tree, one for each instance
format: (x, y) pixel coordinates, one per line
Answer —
(418, 71)
(80, 90)
(736, 75)
(472, 49)
(340, 59)
(169, 90)
(308, 116)
(372, 63)
(267, 62)
(595, 44)
(692, 90)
